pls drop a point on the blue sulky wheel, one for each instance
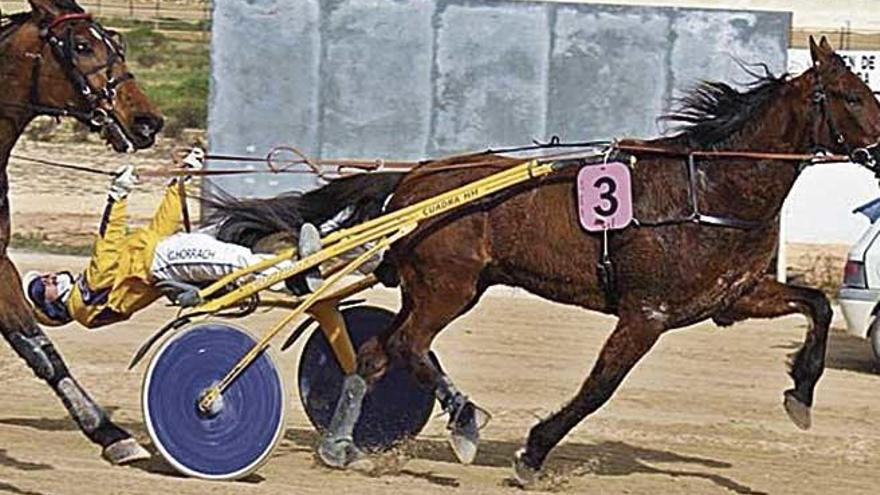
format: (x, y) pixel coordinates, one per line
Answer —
(396, 409)
(238, 436)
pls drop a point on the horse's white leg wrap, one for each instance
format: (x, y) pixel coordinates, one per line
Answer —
(337, 448)
(84, 410)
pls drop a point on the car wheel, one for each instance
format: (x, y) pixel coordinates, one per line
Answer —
(874, 336)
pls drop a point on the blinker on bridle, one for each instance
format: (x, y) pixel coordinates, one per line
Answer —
(62, 46)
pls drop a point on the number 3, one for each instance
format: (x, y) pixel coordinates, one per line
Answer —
(607, 195)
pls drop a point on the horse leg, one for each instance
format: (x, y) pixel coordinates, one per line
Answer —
(337, 448)
(411, 344)
(771, 299)
(426, 310)
(466, 419)
(631, 339)
(31, 344)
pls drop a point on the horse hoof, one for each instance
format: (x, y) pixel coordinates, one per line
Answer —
(464, 446)
(340, 453)
(522, 472)
(798, 412)
(466, 426)
(125, 451)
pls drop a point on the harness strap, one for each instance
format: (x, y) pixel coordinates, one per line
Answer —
(607, 276)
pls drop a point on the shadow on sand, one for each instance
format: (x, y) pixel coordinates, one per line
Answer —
(8, 461)
(10, 488)
(156, 464)
(11, 462)
(569, 460)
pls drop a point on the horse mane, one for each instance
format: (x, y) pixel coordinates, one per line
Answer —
(713, 111)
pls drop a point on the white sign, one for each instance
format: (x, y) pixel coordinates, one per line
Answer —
(865, 63)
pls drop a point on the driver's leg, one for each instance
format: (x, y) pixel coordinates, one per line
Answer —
(197, 258)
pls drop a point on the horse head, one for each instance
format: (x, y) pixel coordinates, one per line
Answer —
(846, 114)
(73, 66)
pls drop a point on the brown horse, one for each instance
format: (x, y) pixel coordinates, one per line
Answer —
(705, 235)
(55, 60)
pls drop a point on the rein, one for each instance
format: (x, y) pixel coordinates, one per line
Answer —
(276, 166)
(153, 172)
(750, 155)
(279, 165)
(364, 165)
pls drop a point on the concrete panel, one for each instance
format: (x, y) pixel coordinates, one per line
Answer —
(608, 71)
(376, 78)
(707, 45)
(491, 72)
(421, 78)
(264, 86)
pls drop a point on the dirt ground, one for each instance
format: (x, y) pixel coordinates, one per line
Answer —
(700, 415)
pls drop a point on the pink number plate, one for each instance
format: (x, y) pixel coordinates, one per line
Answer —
(605, 196)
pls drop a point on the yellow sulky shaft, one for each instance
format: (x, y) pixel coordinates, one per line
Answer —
(383, 231)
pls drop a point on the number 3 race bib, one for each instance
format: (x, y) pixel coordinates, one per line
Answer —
(605, 196)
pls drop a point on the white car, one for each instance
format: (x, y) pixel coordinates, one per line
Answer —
(860, 295)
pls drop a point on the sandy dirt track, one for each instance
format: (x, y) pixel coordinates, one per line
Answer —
(700, 415)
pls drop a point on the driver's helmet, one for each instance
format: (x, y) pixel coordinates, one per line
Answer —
(53, 313)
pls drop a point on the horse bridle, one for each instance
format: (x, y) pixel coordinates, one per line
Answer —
(866, 156)
(98, 100)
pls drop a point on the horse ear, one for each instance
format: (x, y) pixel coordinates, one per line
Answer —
(47, 9)
(821, 53)
(814, 50)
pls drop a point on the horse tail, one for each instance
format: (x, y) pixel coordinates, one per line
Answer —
(341, 203)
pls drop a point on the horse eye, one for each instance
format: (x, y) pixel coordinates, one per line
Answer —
(82, 47)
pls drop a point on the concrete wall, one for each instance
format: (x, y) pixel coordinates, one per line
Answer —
(420, 78)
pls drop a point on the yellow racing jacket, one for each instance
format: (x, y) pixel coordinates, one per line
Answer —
(117, 282)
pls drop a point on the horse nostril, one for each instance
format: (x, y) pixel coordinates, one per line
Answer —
(148, 125)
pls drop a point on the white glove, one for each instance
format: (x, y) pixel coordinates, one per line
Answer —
(195, 160)
(125, 180)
